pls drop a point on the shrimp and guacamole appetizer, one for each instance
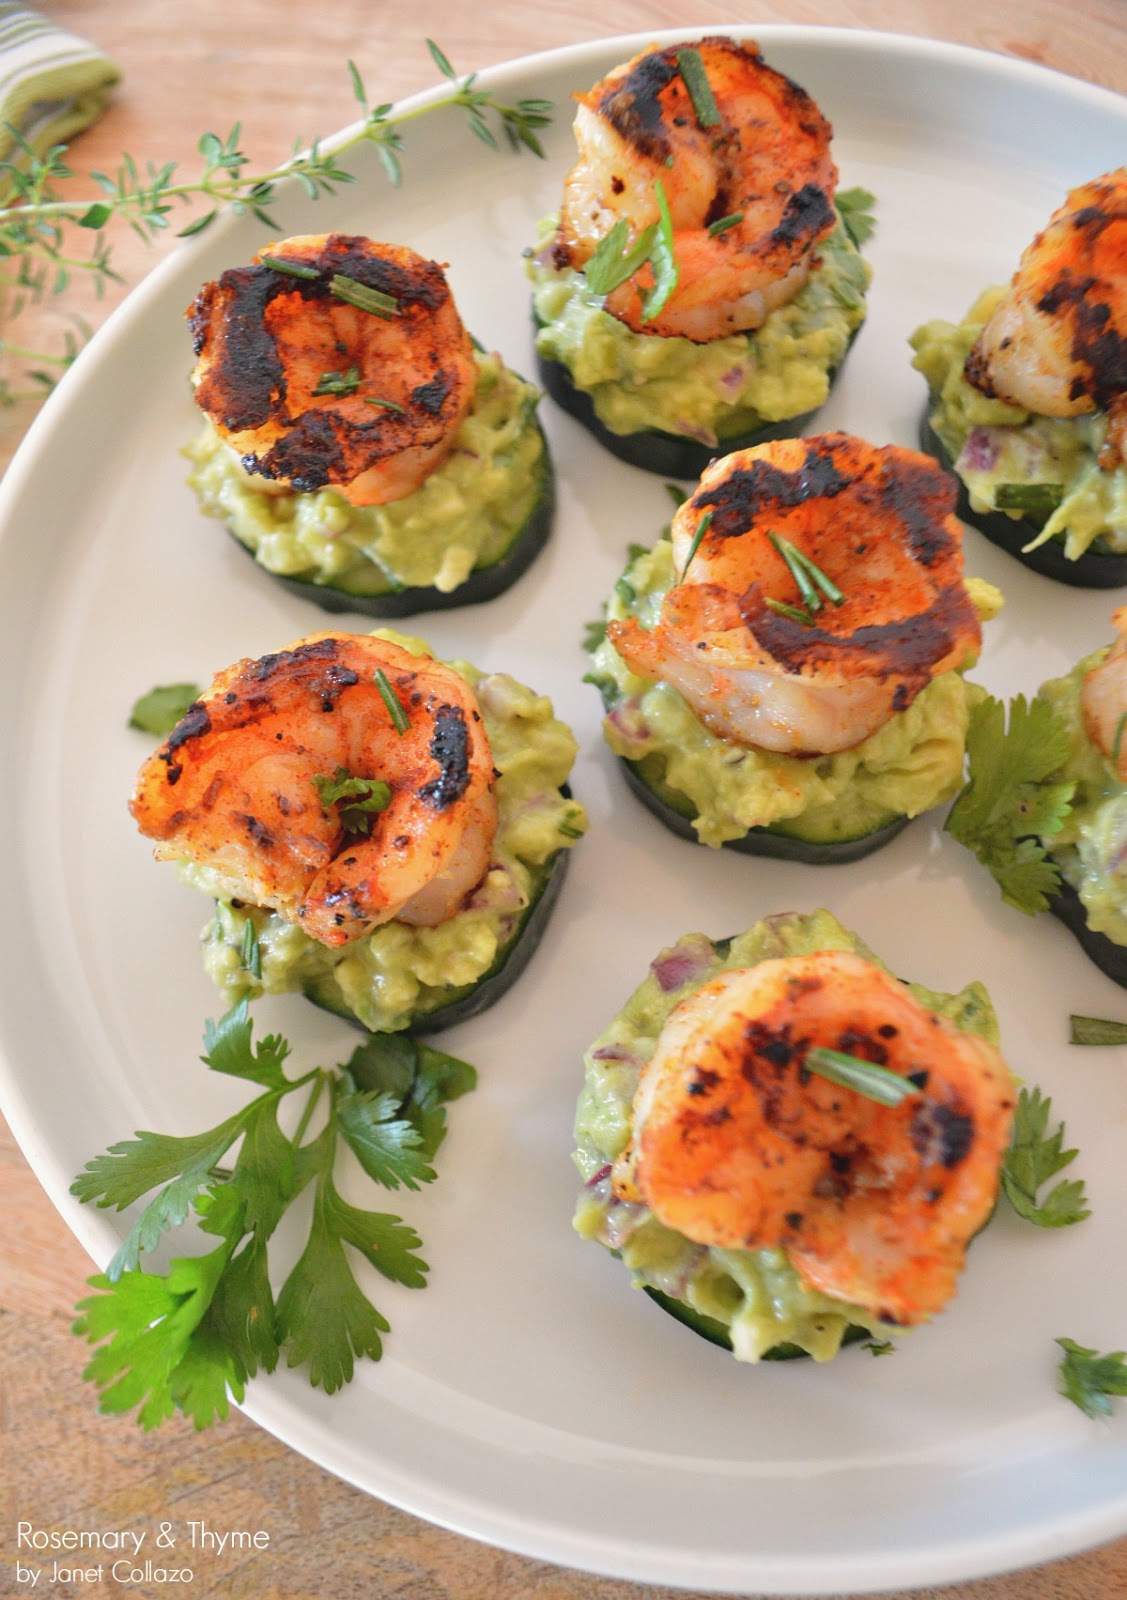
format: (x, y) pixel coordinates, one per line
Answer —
(785, 1144)
(1028, 395)
(699, 289)
(1045, 805)
(784, 674)
(356, 443)
(393, 828)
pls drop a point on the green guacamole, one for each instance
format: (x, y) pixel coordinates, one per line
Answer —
(913, 762)
(709, 392)
(756, 1294)
(464, 516)
(1091, 847)
(993, 445)
(398, 973)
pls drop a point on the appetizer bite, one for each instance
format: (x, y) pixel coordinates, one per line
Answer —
(381, 831)
(356, 443)
(783, 1142)
(1028, 395)
(784, 674)
(699, 289)
(1045, 805)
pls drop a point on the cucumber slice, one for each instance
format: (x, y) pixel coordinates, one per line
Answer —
(674, 455)
(716, 1332)
(483, 583)
(675, 811)
(1095, 569)
(443, 1009)
(1111, 958)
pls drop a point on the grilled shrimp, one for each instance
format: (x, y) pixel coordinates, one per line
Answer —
(1057, 343)
(766, 163)
(737, 1144)
(312, 391)
(246, 785)
(878, 523)
(1103, 699)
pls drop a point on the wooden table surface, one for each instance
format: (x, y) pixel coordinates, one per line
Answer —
(278, 66)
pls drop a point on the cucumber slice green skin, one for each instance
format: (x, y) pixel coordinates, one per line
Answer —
(712, 1329)
(764, 841)
(483, 583)
(1111, 958)
(673, 455)
(1095, 569)
(472, 999)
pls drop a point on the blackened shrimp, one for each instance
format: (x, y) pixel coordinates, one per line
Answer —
(290, 780)
(763, 169)
(761, 662)
(1057, 343)
(312, 390)
(737, 1144)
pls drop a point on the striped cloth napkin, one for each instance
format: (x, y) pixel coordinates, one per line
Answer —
(52, 83)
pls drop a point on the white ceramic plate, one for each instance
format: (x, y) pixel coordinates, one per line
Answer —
(528, 1397)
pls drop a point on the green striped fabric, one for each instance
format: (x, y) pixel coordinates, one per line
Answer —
(52, 83)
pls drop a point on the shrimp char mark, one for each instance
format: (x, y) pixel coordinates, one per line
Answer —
(820, 589)
(742, 157)
(340, 782)
(738, 1144)
(331, 361)
(1057, 342)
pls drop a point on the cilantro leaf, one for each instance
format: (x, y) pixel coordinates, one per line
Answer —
(227, 1048)
(855, 208)
(149, 1322)
(421, 1078)
(1091, 1380)
(160, 710)
(358, 799)
(1032, 1159)
(386, 1146)
(1007, 809)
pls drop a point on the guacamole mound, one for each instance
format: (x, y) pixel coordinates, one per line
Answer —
(912, 763)
(756, 1294)
(708, 392)
(398, 973)
(464, 516)
(1091, 847)
(993, 445)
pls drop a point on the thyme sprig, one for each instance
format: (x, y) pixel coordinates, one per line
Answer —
(37, 222)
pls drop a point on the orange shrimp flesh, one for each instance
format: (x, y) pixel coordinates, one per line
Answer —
(1103, 700)
(312, 391)
(737, 1144)
(766, 163)
(879, 523)
(1057, 343)
(233, 787)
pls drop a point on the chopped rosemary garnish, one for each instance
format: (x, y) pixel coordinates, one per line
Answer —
(250, 953)
(662, 260)
(795, 613)
(358, 798)
(702, 529)
(392, 701)
(362, 296)
(875, 1083)
(1096, 1030)
(338, 382)
(388, 405)
(722, 224)
(612, 264)
(291, 269)
(1034, 499)
(804, 571)
(696, 82)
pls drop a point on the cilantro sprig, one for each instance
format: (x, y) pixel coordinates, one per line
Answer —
(1008, 808)
(1091, 1380)
(357, 800)
(1035, 1156)
(855, 208)
(160, 710)
(190, 1339)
